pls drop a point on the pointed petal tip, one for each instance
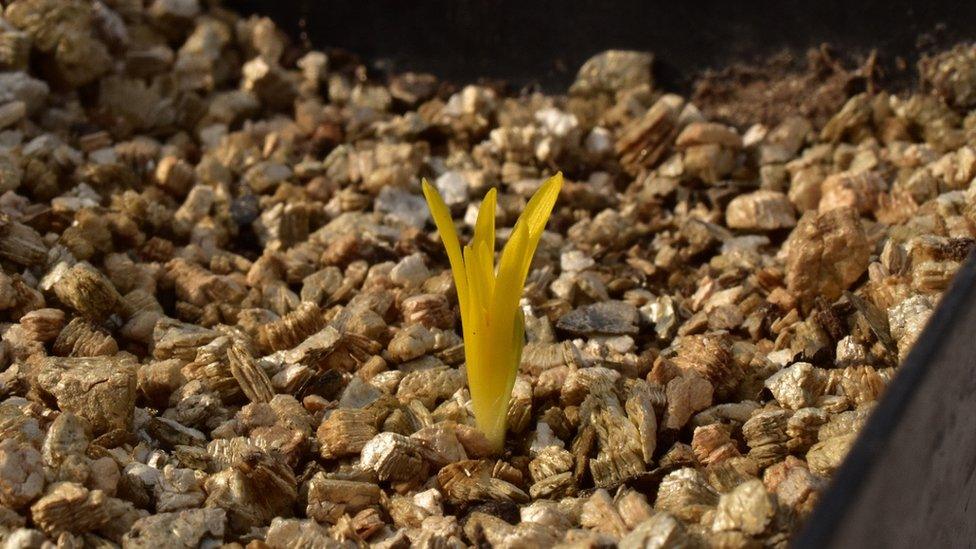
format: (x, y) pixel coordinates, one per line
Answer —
(428, 188)
(556, 181)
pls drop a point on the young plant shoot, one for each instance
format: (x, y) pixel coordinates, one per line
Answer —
(493, 324)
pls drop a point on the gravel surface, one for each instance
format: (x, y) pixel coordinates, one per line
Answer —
(226, 317)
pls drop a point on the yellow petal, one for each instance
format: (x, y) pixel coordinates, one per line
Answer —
(484, 381)
(518, 341)
(516, 258)
(508, 290)
(485, 258)
(508, 283)
(484, 228)
(477, 283)
(484, 240)
(537, 211)
(445, 228)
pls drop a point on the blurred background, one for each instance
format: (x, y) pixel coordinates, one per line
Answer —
(543, 42)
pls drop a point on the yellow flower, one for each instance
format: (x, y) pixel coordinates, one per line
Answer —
(492, 321)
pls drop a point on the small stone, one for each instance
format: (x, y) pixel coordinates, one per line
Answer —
(575, 261)
(849, 352)
(686, 494)
(410, 272)
(430, 385)
(708, 133)
(661, 531)
(403, 207)
(185, 530)
(585, 381)
(826, 456)
(952, 74)
(21, 474)
(352, 496)
(827, 252)
(176, 489)
(550, 461)
(70, 507)
(766, 435)
(393, 457)
(797, 386)
(784, 141)
(19, 86)
(266, 176)
(600, 514)
(428, 310)
(760, 211)
(747, 509)
(685, 396)
(102, 390)
(613, 71)
(88, 291)
(851, 190)
(173, 434)
(712, 444)
(104, 475)
(20, 243)
(12, 113)
(644, 141)
(412, 88)
(474, 480)
(345, 432)
(269, 82)
(606, 318)
(454, 187)
(907, 319)
(174, 9)
(298, 533)
(23, 538)
(599, 141)
(359, 394)
(709, 356)
(794, 485)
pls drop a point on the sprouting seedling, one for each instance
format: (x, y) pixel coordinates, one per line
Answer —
(491, 319)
